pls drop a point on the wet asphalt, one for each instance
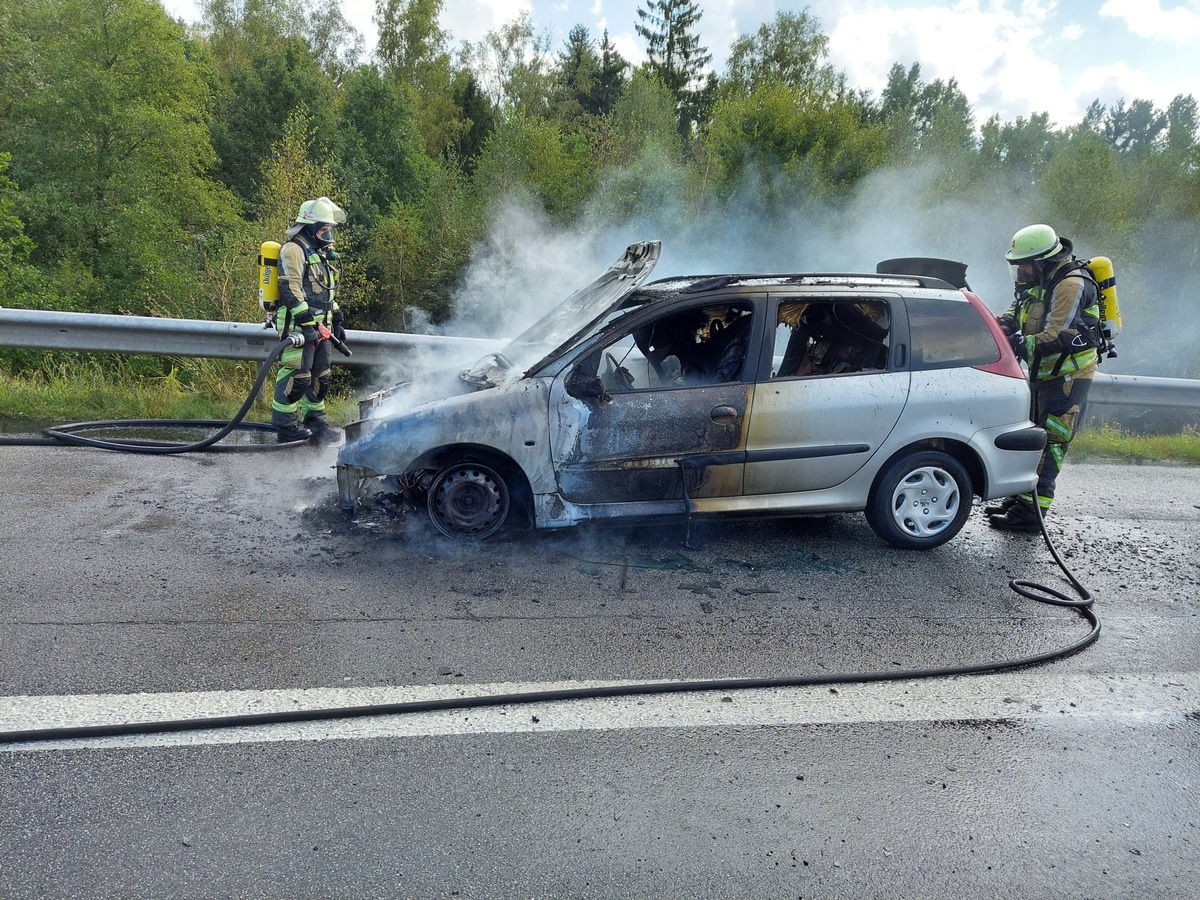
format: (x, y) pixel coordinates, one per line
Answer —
(216, 572)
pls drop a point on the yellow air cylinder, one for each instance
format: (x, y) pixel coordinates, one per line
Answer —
(268, 275)
(1110, 312)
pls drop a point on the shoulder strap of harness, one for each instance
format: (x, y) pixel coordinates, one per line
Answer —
(1081, 268)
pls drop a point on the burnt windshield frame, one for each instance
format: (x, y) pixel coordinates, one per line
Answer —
(636, 301)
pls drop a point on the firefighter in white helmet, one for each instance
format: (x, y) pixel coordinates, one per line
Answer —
(308, 312)
(1049, 327)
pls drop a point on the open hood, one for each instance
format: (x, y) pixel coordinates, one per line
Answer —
(559, 327)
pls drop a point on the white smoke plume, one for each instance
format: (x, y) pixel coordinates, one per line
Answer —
(528, 263)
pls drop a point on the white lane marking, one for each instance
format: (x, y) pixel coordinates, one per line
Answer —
(1013, 696)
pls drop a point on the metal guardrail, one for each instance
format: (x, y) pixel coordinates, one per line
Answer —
(50, 330)
(150, 336)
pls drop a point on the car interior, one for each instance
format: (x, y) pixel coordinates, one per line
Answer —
(708, 345)
(831, 338)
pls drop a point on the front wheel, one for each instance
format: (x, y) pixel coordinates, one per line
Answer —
(920, 500)
(468, 500)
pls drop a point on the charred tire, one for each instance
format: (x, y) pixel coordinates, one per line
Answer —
(920, 500)
(469, 500)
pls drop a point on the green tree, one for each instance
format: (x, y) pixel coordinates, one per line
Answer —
(105, 113)
(611, 77)
(510, 63)
(1182, 125)
(578, 74)
(1088, 160)
(532, 157)
(933, 116)
(335, 43)
(676, 55)
(417, 251)
(410, 38)
(266, 71)
(1024, 146)
(643, 117)
(478, 116)
(795, 142)
(790, 50)
(413, 52)
(381, 156)
(1135, 128)
(19, 280)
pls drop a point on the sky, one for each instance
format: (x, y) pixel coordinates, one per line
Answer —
(1013, 58)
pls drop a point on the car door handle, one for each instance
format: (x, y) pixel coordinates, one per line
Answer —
(724, 415)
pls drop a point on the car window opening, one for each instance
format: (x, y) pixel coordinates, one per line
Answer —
(696, 346)
(828, 338)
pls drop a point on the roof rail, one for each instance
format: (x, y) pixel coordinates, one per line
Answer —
(687, 284)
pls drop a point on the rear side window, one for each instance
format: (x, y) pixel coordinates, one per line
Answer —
(946, 335)
(830, 337)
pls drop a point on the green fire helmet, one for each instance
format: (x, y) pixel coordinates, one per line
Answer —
(320, 210)
(1034, 242)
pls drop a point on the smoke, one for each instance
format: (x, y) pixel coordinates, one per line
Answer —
(529, 262)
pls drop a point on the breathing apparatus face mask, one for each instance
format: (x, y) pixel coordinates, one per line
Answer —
(322, 234)
(1025, 274)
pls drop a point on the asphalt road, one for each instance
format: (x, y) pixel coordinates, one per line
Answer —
(161, 587)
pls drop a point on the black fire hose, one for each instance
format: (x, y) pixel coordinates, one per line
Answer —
(1028, 589)
(70, 434)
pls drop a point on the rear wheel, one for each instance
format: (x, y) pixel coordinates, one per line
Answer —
(469, 500)
(920, 500)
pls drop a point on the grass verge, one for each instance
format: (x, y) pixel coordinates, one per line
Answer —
(62, 398)
(1110, 443)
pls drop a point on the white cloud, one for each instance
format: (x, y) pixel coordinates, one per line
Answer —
(993, 62)
(470, 20)
(1147, 19)
(629, 45)
(1113, 82)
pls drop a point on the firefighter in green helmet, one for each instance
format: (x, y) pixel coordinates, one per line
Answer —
(308, 312)
(1049, 327)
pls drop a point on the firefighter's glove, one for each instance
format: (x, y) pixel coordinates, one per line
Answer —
(1017, 341)
(311, 335)
(296, 339)
(340, 333)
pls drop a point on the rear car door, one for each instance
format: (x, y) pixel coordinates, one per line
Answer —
(830, 390)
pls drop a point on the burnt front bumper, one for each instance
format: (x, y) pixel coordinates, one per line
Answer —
(350, 481)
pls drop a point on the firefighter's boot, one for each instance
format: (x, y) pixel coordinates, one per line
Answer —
(321, 430)
(999, 507)
(292, 433)
(1020, 517)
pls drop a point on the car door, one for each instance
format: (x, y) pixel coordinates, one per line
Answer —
(830, 391)
(671, 423)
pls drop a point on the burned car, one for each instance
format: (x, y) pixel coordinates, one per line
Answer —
(888, 393)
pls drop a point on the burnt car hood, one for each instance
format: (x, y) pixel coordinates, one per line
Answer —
(538, 344)
(559, 328)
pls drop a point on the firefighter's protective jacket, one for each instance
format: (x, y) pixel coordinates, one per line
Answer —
(307, 287)
(1050, 316)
